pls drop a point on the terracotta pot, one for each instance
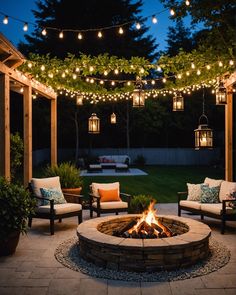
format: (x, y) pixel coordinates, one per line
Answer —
(8, 247)
(74, 191)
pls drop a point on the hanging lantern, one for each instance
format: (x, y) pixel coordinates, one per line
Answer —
(178, 102)
(94, 124)
(79, 100)
(113, 118)
(138, 95)
(203, 135)
(221, 94)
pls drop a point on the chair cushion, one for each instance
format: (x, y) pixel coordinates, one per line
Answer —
(216, 208)
(109, 195)
(59, 208)
(111, 205)
(194, 192)
(50, 182)
(212, 182)
(105, 186)
(226, 188)
(210, 194)
(52, 194)
(190, 204)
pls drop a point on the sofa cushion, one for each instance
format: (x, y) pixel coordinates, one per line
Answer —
(60, 208)
(105, 186)
(216, 208)
(190, 204)
(50, 182)
(226, 188)
(194, 192)
(210, 194)
(111, 205)
(212, 182)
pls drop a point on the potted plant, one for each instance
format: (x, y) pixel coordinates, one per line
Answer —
(70, 179)
(140, 203)
(16, 206)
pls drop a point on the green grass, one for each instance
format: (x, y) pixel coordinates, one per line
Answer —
(162, 182)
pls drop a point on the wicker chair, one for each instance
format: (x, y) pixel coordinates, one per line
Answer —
(53, 211)
(99, 207)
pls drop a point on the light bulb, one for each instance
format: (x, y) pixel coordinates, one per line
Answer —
(198, 72)
(138, 26)
(101, 82)
(5, 20)
(187, 2)
(105, 73)
(80, 36)
(99, 34)
(128, 83)
(192, 65)
(164, 80)
(121, 31)
(42, 68)
(44, 32)
(116, 71)
(208, 67)
(91, 69)
(63, 75)
(154, 19)
(153, 82)
(172, 12)
(21, 90)
(220, 64)
(25, 27)
(231, 62)
(61, 35)
(112, 83)
(74, 76)
(30, 65)
(187, 73)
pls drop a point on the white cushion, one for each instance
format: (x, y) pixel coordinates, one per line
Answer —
(60, 208)
(194, 192)
(50, 182)
(111, 205)
(226, 188)
(191, 204)
(215, 208)
(105, 186)
(212, 182)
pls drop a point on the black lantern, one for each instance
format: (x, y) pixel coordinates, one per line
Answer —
(221, 94)
(94, 124)
(79, 100)
(138, 95)
(178, 102)
(203, 134)
(113, 118)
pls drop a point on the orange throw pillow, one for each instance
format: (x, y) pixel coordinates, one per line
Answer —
(109, 195)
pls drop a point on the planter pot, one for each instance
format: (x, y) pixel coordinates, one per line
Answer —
(8, 247)
(73, 191)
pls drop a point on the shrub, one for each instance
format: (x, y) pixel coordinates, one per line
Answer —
(68, 173)
(140, 203)
(140, 160)
(17, 150)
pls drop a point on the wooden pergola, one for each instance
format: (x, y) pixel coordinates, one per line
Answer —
(13, 80)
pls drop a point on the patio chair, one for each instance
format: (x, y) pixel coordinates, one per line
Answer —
(107, 198)
(51, 203)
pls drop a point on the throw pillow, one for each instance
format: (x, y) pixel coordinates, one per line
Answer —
(194, 192)
(109, 195)
(210, 194)
(52, 194)
(212, 182)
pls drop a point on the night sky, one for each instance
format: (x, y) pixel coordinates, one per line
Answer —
(21, 9)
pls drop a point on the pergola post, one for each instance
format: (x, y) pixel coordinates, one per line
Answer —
(53, 131)
(229, 136)
(27, 96)
(5, 168)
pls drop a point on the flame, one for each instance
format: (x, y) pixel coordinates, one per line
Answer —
(150, 217)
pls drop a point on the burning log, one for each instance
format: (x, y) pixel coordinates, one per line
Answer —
(124, 228)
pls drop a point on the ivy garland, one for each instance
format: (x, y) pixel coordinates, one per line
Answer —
(84, 74)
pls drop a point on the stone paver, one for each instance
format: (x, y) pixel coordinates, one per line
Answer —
(33, 269)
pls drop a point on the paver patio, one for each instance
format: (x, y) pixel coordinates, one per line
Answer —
(34, 270)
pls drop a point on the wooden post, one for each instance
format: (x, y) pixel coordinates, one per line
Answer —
(229, 136)
(5, 168)
(53, 131)
(27, 134)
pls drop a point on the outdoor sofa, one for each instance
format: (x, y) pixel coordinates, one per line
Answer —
(224, 209)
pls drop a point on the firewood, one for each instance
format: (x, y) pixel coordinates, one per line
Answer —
(123, 228)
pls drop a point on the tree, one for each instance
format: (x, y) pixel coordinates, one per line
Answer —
(179, 37)
(64, 14)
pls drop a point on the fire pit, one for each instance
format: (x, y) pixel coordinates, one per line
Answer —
(185, 243)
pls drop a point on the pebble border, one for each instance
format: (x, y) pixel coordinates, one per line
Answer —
(67, 253)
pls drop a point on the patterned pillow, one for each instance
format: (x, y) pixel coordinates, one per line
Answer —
(52, 194)
(210, 194)
(194, 192)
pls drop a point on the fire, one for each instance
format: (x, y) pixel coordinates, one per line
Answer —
(149, 222)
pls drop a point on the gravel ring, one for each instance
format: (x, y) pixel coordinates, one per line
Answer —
(67, 253)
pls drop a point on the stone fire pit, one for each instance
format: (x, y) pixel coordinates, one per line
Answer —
(97, 245)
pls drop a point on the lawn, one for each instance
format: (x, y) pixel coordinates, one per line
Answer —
(162, 182)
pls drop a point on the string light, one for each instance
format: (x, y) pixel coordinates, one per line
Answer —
(138, 26)
(44, 32)
(172, 12)
(99, 34)
(121, 31)
(220, 64)
(42, 68)
(187, 2)
(80, 36)
(5, 20)
(61, 35)
(116, 71)
(208, 67)
(25, 27)
(231, 62)
(154, 19)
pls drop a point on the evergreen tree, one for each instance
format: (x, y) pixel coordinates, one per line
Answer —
(90, 14)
